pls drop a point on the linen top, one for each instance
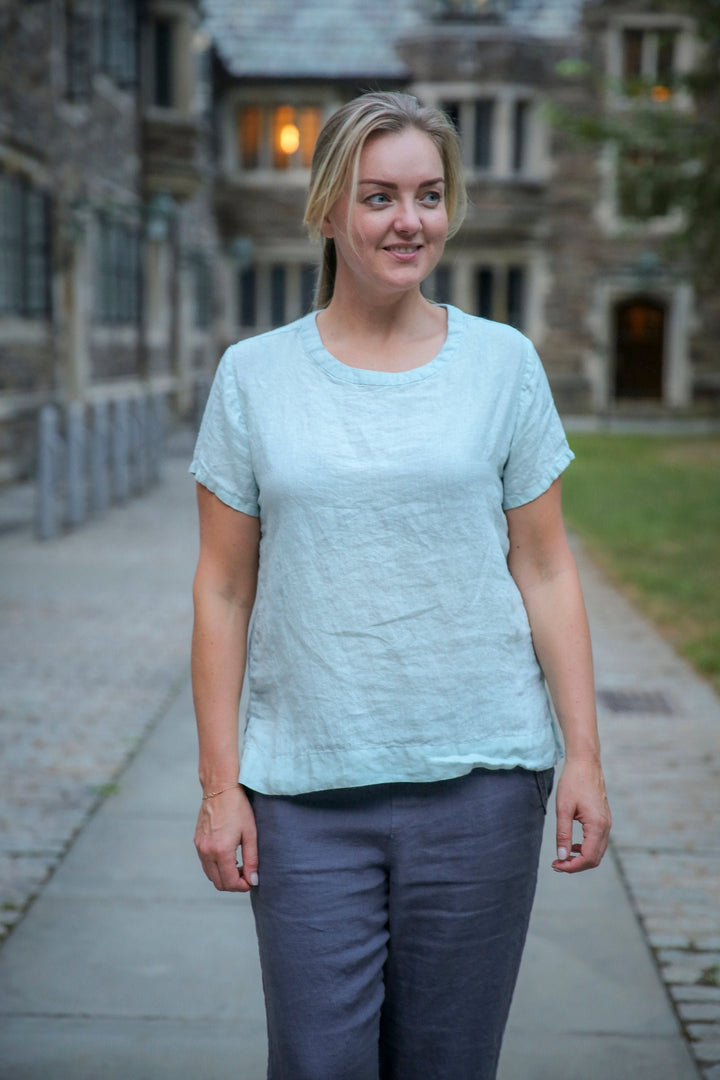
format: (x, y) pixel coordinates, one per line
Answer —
(389, 641)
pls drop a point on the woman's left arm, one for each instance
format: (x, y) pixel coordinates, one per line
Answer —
(544, 570)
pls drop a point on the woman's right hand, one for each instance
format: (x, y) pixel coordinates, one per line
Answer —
(225, 823)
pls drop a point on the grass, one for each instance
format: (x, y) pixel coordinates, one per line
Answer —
(648, 509)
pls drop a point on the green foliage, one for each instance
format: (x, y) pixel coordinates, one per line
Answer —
(648, 507)
(668, 153)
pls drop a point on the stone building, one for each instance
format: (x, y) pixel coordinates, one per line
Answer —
(108, 242)
(154, 157)
(552, 242)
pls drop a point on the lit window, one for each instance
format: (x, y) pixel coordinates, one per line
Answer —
(650, 61)
(281, 137)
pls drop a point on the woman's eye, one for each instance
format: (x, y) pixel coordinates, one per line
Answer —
(379, 198)
(432, 198)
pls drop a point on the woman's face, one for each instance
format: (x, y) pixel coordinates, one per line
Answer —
(393, 235)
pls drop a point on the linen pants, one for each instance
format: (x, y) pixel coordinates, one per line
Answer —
(391, 921)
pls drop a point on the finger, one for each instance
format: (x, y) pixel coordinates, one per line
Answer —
(563, 833)
(585, 856)
(231, 879)
(249, 868)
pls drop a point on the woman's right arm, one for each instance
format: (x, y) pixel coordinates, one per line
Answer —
(223, 597)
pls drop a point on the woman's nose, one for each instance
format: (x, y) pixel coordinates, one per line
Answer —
(407, 219)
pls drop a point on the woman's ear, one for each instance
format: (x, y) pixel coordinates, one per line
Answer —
(327, 228)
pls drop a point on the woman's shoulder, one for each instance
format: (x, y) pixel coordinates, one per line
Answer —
(259, 348)
(494, 333)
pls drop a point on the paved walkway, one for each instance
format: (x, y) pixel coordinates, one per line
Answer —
(129, 965)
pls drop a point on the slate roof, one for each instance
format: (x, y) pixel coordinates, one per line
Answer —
(345, 38)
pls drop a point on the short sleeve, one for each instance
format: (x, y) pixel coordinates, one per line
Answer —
(539, 451)
(222, 461)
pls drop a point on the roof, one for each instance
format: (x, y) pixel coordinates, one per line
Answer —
(346, 38)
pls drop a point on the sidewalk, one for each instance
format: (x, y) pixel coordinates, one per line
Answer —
(129, 966)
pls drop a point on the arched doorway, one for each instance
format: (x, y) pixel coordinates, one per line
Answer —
(639, 348)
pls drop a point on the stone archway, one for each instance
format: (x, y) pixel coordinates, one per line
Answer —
(639, 340)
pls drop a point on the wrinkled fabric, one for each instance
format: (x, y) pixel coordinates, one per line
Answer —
(389, 641)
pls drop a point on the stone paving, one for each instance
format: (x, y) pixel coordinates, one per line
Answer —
(94, 637)
(94, 642)
(663, 770)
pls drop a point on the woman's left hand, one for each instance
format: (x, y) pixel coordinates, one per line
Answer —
(581, 797)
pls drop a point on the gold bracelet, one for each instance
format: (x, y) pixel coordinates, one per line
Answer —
(212, 794)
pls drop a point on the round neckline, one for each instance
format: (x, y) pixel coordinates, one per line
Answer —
(336, 369)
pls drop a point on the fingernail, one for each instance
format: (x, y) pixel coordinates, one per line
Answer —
(253, 879)
(562, 854)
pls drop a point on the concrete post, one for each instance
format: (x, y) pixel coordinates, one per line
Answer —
(119, 450)
(48, 471)
(76, 479)
(99, 453)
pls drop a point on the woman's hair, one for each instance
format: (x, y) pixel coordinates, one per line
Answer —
(337, 155)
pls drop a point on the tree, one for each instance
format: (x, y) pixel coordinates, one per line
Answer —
(666, 138)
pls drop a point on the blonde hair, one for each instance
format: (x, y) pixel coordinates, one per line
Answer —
(337, 155)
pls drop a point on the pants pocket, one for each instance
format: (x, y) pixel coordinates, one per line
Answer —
(544, 780)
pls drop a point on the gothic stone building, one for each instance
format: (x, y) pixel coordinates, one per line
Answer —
(552, 242)
(154, 156)
(108, 243)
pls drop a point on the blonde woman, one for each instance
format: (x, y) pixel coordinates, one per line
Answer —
(378, 483)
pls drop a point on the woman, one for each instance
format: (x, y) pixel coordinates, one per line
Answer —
(379, 483)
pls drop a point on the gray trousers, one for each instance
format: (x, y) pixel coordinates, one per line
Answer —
(391, 921)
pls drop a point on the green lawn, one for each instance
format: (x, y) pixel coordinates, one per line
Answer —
(648, 509)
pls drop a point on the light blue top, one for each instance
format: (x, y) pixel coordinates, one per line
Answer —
(389, 641)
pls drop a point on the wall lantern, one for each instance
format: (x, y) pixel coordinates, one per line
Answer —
(158, 214)
(242, 250)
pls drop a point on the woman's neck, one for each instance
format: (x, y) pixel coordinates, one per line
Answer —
(398, 335)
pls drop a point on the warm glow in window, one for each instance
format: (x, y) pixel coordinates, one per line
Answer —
(289, 139)
(277, 136)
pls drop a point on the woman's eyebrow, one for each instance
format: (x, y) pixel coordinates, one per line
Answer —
(388, 184)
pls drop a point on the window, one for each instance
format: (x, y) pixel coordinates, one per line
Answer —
(80, 36)
(119, 41)
(484, 113)
(500, 293)
(649, 61)
(24, 249)
(163, 83)
(248, 297)
(202, 291)
(495, 131)
(521, 118)
(468, 9)
(484, 292)
(645, 185)
(277, 137)
(275, 293)
(118, 272)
